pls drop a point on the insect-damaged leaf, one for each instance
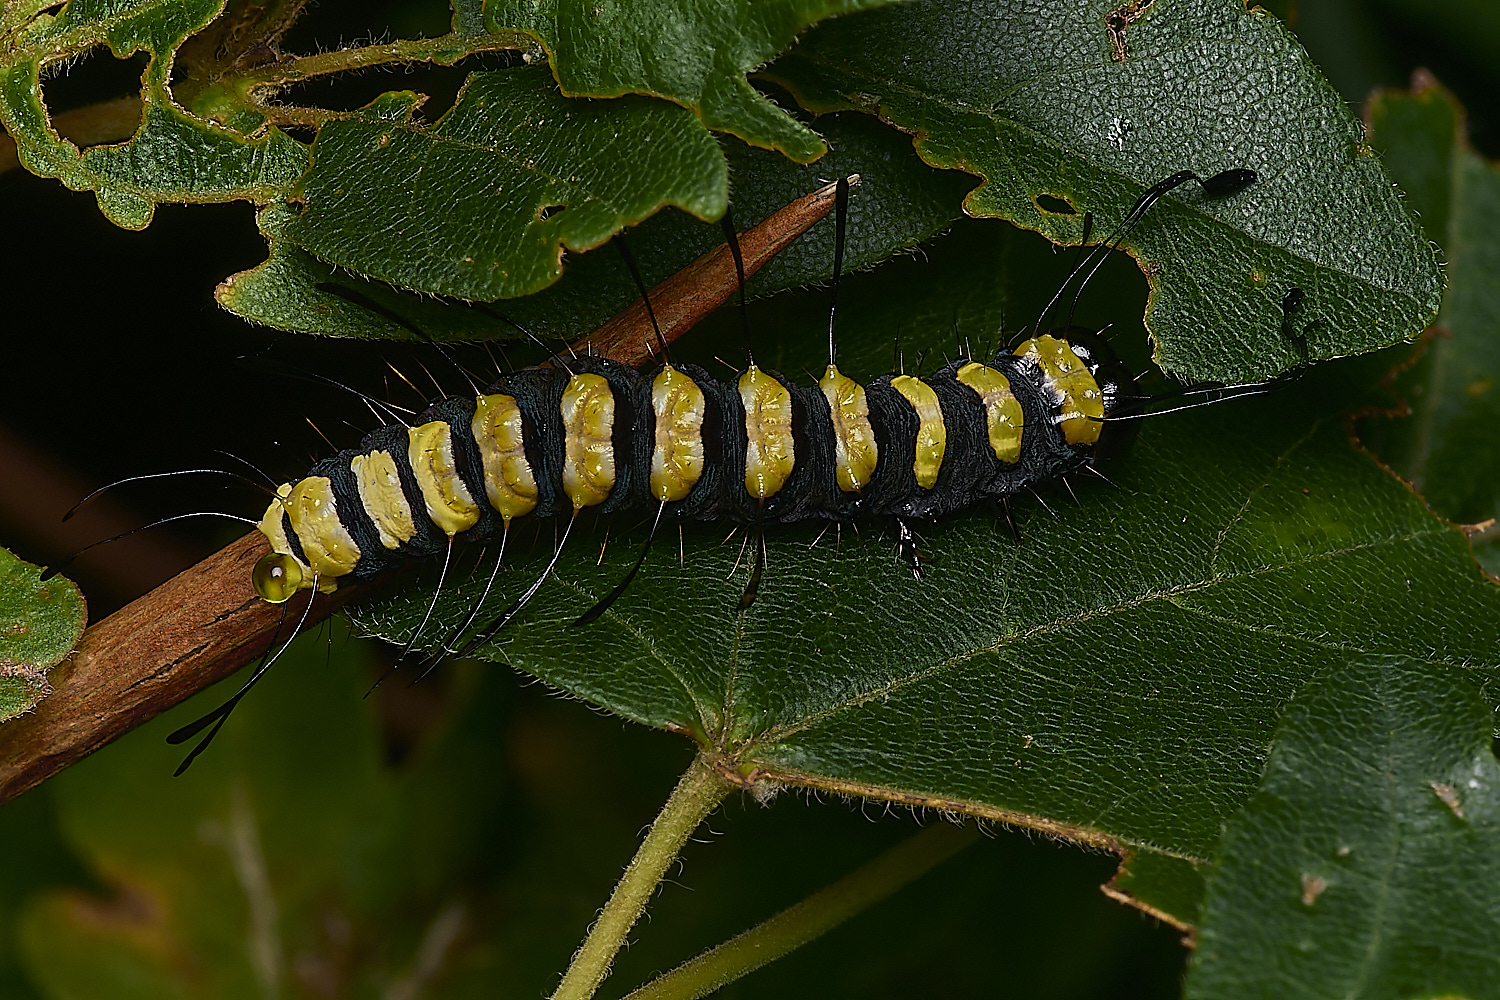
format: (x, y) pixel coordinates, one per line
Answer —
(40, 623)
(695, 53)
(1366, 863)
(901, 203)
(174, 156)
(1068, 109)
(500, 184)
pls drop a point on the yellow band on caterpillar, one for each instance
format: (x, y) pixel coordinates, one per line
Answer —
(588, 418)
(508, 480)
(1003, 415)
(449, 505)
(1079, 400)
(379, 484)
(770, 453)
(932, 435)
(855, 449)
(677, 458)
(330, 550)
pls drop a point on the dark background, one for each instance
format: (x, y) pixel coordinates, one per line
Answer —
(117, 362)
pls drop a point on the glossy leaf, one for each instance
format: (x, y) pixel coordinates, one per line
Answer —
(40, 623)
(1365, 864)
(1067, 111)
(1446, 444)
(695, 53)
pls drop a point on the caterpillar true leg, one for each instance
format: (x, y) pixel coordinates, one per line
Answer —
(906, 548)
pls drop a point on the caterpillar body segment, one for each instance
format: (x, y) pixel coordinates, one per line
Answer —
(678, 406)
(760, 448)
(855, 452)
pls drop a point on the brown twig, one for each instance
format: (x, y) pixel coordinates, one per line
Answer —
(192, 631)
(705, 284)
(206, 622)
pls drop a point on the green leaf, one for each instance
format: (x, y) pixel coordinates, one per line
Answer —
(1166, 887)
(1365, 864)
(694, 53)
(1116, 677)
(40, 623)
(127, 26)
(290, 829)
(1053, 106)
(174, 156)
(283, 292)
(1446, 445)
(471, 866)
(900, 203)
(481, 203)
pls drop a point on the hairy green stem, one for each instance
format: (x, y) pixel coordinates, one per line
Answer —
(444, 49)
(699, 791)
(811, 918)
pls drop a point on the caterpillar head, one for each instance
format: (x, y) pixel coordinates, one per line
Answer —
(310, 548)
(1087, 382)
(1108, 381)
(277, 577)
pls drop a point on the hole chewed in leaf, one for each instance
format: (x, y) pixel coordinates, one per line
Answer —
(1118, 20)
(1055, 205)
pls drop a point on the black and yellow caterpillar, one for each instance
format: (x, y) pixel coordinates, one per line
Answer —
(591, 433)
(594, 433)
(598, 434)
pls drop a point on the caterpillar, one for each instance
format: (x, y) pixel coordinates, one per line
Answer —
(592, 433)
(588, 433)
